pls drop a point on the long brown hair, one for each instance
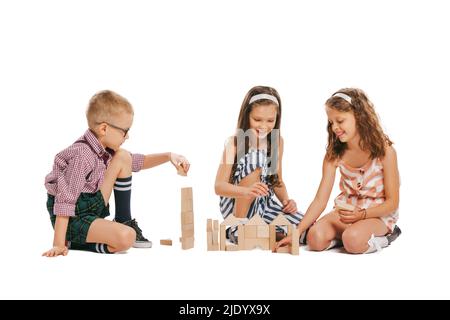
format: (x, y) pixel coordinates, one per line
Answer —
(244, 124)
(373, 139)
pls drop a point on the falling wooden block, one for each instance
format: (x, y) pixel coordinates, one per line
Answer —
(262, 231)
(165, 242)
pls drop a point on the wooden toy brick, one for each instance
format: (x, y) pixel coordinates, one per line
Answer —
(187, 243)
(209, 225)
(186, 205)
(187, 217)
(250, 231)
(262, 231)
(286, 249)
(165, 242)
(186, 194)
(231, 247)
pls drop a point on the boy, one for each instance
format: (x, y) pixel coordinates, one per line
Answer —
(84, 175)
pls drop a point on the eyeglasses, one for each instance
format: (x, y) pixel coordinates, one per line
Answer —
(125, 131)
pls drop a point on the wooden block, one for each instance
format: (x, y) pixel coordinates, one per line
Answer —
(250, 231)
(231, 247)
(215, 237)
(263, 243)
(272, 237)
(295, 241)
(186, 193)
(256, 243)
(209, 225)
(187, 243)
(209, 237)
(216, 225)
(209, 240)
(187, 217)
(186, 205)
(241, 240)
(286, 249)
(165, 242)
(214, 247)
(222, 237)
(262, 231)
(187, 227)
(187, 233)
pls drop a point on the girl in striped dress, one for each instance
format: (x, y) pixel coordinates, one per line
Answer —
(249, 179)
(369, 183)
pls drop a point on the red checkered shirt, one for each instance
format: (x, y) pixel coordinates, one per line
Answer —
(80, 168)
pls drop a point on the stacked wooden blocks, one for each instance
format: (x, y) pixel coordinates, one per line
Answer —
(187, 219)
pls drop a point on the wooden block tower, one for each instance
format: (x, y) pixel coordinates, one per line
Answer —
(187, 219)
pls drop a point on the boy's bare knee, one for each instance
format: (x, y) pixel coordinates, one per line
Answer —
(353, 241)
(125, 239)
(123, 156)
(316, 239)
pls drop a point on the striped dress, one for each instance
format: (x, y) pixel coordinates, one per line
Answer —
(268, 207)
(364, 187)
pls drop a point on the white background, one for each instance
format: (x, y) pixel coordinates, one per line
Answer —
(186, 67)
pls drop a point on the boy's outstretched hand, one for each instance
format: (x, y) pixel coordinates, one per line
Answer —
(283, 242)
(181, 163)
(56, 251)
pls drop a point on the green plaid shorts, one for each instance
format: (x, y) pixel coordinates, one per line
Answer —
(89, 206)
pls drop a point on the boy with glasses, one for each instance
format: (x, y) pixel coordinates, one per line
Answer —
(85, 174)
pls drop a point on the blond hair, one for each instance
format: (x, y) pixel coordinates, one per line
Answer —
(104, 105)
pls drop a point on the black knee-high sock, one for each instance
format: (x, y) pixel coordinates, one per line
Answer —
(93, 247)
(122, 198)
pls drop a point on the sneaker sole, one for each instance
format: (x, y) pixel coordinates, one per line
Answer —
(142, 245)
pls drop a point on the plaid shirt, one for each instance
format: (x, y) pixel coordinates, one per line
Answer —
(80, 168)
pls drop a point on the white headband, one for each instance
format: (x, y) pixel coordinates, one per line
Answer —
(262, 96)
(343, 96)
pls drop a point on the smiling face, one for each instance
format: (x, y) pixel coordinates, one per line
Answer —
(342, 124)
(262, 119)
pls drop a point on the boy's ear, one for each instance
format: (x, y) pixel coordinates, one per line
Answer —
(101, 129)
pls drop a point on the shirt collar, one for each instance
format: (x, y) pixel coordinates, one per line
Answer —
(90, 138)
